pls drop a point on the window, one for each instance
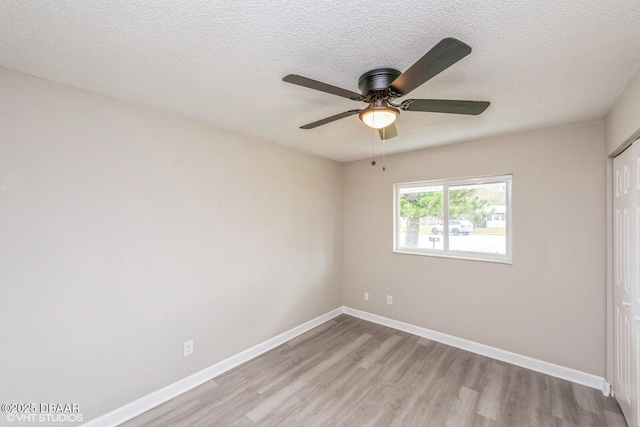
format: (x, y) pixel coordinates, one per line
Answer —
(461, 218)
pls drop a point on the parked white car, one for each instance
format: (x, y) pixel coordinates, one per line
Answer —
(455, 227)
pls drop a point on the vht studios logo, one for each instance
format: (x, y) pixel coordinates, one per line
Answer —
(48, 418)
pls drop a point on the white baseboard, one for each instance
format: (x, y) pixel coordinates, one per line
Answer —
(150, 401)
(547, 368)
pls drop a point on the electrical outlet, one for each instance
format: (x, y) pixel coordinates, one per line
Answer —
(366, 296)
(188, 348)
(389, 300)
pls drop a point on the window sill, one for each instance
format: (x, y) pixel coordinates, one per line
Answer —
(470, 257)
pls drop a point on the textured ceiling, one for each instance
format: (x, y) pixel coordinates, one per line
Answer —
(539, 62)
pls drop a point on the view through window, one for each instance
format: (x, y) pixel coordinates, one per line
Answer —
(467, 218)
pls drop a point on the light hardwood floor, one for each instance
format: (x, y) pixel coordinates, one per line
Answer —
(350, 372)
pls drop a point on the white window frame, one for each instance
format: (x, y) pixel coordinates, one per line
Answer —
(445, 252)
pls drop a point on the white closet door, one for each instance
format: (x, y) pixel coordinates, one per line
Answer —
(626, 298)
(634, 264)
(626, 207)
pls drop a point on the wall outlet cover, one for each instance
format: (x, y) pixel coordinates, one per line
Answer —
(188, 348)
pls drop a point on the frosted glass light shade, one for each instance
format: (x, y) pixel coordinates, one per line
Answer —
(378, 118)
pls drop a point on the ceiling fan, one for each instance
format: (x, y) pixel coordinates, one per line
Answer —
(380, 87)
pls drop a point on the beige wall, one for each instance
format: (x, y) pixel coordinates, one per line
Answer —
(623, 120)
(125, 232)
(550, 304)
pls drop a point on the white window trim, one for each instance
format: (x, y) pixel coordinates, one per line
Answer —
(506, 258)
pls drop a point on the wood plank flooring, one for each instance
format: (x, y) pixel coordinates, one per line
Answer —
(349, 372)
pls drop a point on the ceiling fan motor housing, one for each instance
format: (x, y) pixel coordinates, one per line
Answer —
(377, 80)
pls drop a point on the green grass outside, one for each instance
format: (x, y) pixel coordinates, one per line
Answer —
(493, 230)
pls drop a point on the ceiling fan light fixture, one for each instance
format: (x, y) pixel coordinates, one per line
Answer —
(378, 117)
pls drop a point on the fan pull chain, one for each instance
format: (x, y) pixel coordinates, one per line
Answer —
(373, 146)
(384, 138)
